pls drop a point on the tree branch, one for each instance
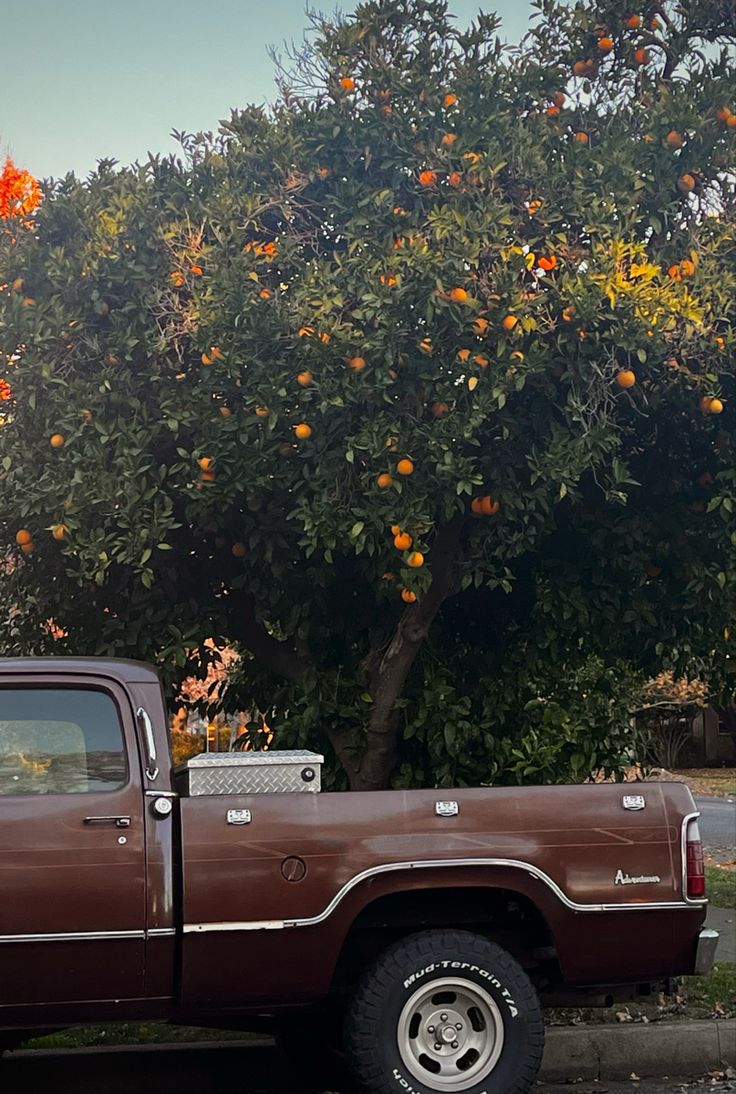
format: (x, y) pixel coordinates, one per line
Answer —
(280, 657)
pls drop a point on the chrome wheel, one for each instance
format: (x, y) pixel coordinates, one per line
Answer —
(450, 1034)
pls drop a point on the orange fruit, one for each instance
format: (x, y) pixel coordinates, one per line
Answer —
(402, 541)
(427, 178)
(731, 121)
(196, 270)
(626, 378)
(405, 467)
(716, 407)
(686, 183)
(208, 476)
(304, 378)
(225, 411)
(304, 332)
(559, 98)
(265, 294)
(517, 355)
(415, 560)
(302, 431)
(723, 113)
(206, 463)
(641, 55)
(463, 355)
(59, 531)
(687, 267)
(509, 322)
(439, 409)
(458, 295)
(56, 440)
(323, 172)
(426, 345)
(454, 178)
(488, 506)
(18, 283)
(385, 480)
(449, 100)
(206, 359)
(480, 325)
(357, 364)
(548, 262)
(476, 506)
(395, 529)
(568, 313)
(674, 139)
(704, 403)
(552, 111)
(325, 337)
(605, 44)
(449, 139)
(347, 83)
(177, 279)
(633, 22)
(23, 536)
(239, 550)
(27, 548)
(216, 353)
(388, 576)
(582, 138)
(408, 596)
(262, 412)
(481, 360)
(387, 279)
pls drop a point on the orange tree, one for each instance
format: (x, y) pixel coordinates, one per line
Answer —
(418, 389)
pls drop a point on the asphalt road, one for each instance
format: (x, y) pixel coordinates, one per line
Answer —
(718, 827)
(229, 1071)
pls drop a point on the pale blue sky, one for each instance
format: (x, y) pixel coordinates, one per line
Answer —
(85, 79)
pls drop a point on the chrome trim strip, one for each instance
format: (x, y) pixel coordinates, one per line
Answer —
(161, 794)
(161, 932)
(432, 864)
(151, 768)
(73, 936)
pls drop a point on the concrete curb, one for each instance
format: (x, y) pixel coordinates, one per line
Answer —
(575, 1052)
(648, 1051)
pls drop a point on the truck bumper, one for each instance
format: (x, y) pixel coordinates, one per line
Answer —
(705, 954)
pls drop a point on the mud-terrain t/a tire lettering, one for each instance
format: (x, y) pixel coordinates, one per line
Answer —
(445, 1010)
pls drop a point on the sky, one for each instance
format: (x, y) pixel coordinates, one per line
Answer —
(111, 78)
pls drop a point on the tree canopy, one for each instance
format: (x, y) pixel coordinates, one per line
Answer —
(418, 388)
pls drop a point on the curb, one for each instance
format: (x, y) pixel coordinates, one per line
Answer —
(647, 1051)
(570, 1054)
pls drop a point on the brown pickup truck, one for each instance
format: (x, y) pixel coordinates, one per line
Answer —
(419, 928)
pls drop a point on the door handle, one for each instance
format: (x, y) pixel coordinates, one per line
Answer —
(118, 822)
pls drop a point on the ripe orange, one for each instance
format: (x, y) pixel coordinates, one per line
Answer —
(208, 476)
(387, 279)
(304, 332)
(480, 325)
(476, 506)
(489, 507)
(687, 267)
(686, 183)
(509, 322)
(633, 22)
(481, 360)
(641, 55)
(731, 121)
(196, 270)
(262, 412)
(395, 529)
(177, 278)
(23, 536)
(427, 178)
(439, 409)
(716, 407)
(548, 262)
(449, 139)
(325, 337)
(408, 596)
(206, 463)
(568, 313)
(517, 355)
(463, 355)
(454, 178)
(674, 139)
(206, 359)
(27, 548)
(582, 138)
(59, 531)
(304, 378)
(385, 480)
(552, 111)
(225, 411)
(347, 83)
(426, 345)
(559, 98)
(415, 560)
(626, 378)
(402, 541)
(405, 467)
(723, 113)
(18, 283)
(458, 295)
(265, 294)
(239, 550)
(303, 431)
(449, 100)
(56, 440)
(605, 44)
(357, 364)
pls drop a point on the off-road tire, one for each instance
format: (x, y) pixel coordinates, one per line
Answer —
(380, 1017)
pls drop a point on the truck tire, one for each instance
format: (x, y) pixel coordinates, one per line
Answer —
(445, 1011)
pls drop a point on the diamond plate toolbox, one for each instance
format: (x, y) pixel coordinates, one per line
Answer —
(284, 772)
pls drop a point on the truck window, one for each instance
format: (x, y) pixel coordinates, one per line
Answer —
(60, 741)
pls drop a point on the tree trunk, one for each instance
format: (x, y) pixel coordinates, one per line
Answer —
(387, 668)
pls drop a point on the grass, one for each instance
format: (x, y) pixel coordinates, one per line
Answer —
(721, 887)
(132, 1033)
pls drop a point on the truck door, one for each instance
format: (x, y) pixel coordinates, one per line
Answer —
(72, 848)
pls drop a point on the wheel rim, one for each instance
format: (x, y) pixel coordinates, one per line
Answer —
(450, 1034)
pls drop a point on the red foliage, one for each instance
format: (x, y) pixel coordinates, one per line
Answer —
(20, 193)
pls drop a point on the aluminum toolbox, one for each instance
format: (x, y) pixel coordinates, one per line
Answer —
(251, 773)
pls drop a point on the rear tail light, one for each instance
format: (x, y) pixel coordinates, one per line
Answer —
(694, 866)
